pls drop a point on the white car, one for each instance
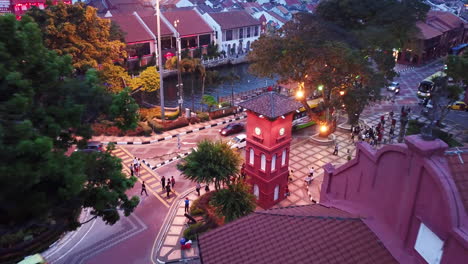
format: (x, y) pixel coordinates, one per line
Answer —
(238, 141)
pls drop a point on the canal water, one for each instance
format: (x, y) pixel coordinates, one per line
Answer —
(246, 82)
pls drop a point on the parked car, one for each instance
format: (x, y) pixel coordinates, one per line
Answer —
(458, 105)
(238, 141)
(33, 259)
(93, 146)
(394, 87)
(232, 128)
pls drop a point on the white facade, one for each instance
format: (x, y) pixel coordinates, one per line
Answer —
(184, 3)
(233, 41)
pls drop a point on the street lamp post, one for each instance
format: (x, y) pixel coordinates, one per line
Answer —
(161, 85)
(179, 76)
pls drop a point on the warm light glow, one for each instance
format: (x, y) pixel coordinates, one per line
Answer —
(219, 106)
(300, 94)
(323, 128)
(320, 87)
(342, 93)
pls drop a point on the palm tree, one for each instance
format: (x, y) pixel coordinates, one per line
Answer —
(234, 202)
(211, 162)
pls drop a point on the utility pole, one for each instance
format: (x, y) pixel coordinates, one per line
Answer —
(161, 84)
(179, 75)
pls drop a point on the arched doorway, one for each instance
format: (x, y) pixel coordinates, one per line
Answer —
(276, 194)
(256, 191)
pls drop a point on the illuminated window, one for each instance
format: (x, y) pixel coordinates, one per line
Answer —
(251, 158)
(276, 194)
(283, 158)
(273, 163)
(263, 162)
(256, 191)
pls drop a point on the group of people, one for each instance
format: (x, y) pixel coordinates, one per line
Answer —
(167, 186)
(135, 167)
(376, 135)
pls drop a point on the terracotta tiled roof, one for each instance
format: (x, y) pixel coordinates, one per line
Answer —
(427, 32)
(271, 105)
(278, 17)
(445, 19)
(150, 20)
(460, 174)
(234, 19)
(135, 31)
(292, 2)
(304, 234)
(190, 22)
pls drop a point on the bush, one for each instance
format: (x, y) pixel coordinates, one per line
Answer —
(113, 131)
(138, 131)
(203, 116)
(197, 212)
(98, 129)
(414, 127)
(147, 114)
(191, 232)
(147, 130)
(157, 128)
(180, 122)
(225, 104)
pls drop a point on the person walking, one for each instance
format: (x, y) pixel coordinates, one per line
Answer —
(168, 190)
(335, 152)
(187, 202)
(137, 169)
(143, 189)
(207, 188)
(131, 169)
(163, 182)
(311, 171)
(139, 166)
(198, 187)
(172, 181)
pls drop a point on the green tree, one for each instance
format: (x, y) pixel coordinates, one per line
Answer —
(124, 110)
(209, 100)
(78, 31)
(234, 202)
(44, 112)
(211, 162)
(457, 68)
(442, 96)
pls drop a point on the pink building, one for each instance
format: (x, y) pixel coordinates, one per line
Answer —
(413, 196)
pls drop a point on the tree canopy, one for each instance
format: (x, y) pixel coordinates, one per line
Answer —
(78, 31)
(346, 48)
(211, 162)
(45, 110)
(234, 202)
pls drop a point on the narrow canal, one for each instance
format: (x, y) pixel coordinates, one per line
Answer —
(246, 82)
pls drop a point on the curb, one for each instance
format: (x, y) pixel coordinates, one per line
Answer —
(167, 224)
(173, 136)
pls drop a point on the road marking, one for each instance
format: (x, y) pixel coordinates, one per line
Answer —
(154, 185)
(141, 181)
(150, 180)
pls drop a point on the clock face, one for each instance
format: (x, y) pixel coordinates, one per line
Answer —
(281, 131)
(258, 131)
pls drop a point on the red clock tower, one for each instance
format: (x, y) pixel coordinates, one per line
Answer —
(269, 125)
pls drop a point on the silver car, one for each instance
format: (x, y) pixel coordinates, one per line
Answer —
(394, 87)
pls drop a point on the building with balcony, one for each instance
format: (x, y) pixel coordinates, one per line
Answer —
(234, 30)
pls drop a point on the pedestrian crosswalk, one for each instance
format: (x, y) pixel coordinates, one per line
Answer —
(152, 179)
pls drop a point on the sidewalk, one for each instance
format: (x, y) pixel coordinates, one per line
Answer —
(142, 140)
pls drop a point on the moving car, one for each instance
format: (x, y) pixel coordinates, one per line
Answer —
(93, 146)
(232, 128)
(425, 89)
(459, 105)
(394, 87)
(238, 141)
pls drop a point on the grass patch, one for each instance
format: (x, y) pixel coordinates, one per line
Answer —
(414, 127)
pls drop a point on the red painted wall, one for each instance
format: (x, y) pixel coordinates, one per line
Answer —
(269, 143)
(395, 189)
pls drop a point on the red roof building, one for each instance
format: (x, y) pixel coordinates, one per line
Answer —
(19, 7)
(191, 27)
(438, 34)
(301, 234)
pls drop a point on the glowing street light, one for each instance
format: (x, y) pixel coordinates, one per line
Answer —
(320, 87)
(300, 94)
(323, 129)
(342, 93)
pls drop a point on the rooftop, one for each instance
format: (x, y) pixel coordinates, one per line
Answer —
(234, 19)
(301, 234)
(271, 105)
(458, 163)
(134, 30)
(190, 22)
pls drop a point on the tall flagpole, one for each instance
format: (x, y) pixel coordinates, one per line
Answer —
(161, 86)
